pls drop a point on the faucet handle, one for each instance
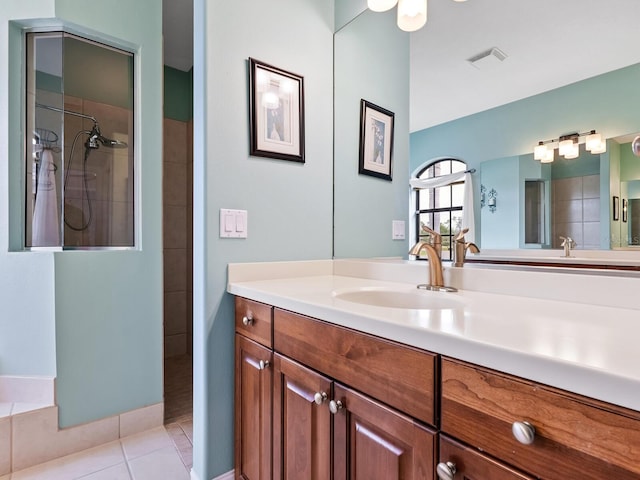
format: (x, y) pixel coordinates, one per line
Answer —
(461, 234)
(435, 236)
(567, 241)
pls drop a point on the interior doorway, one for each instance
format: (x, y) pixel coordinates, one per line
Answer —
(178, 281)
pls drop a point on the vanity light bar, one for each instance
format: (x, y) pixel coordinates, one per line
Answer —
(568, 146)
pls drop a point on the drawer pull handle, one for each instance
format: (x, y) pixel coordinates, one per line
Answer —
(263, 364)
(524, 432)
(335, 406)
(320, 398)
(446, 471)
(247, 320)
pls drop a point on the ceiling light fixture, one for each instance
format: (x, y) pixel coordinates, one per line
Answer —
(569, 146)
(412, 14)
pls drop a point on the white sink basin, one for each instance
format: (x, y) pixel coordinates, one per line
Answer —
(408, 299)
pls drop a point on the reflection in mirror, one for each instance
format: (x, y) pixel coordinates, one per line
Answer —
(563, 199)
(535, 211)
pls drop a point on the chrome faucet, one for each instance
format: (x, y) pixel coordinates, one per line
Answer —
(568, 243)
(460, 248)
(436, 281)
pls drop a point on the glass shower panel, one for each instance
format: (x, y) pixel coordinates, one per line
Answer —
(85, 106)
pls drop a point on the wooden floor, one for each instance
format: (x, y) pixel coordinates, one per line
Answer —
(178, 404)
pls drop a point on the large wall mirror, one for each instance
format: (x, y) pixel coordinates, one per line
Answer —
(580, 74)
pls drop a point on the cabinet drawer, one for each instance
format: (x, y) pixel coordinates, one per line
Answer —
(470, 463)
(397, 375)
(254, 321)
(575, 437)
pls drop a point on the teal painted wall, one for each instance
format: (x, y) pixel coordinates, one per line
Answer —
(109, 303)
(498, 228)
(377, 71)
(27, 323)
(178, 94)
(91, 318)
(289, 204)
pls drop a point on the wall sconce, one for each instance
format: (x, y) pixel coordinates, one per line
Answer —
(492, 199)
(412, 14)
(569, 146)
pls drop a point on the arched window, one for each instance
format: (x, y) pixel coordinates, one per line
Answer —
(440, 208)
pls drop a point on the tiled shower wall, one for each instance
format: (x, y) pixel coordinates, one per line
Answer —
(576, 211)
(178, 237)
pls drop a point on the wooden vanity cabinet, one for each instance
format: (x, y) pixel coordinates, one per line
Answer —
(572, 437)
(253, 391)
(325, 430)
(317, 401)
(397, 375)
(374, 442)
(301, 422)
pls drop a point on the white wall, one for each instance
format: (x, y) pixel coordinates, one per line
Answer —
(101, 311)
(289, 204)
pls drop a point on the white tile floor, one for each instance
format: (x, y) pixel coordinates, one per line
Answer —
(150, 455)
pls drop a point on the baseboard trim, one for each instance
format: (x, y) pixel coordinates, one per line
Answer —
(27, 389)
(225, 476)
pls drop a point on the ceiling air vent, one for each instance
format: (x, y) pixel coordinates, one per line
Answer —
(488, 59)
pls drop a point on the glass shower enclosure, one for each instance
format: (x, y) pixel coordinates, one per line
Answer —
(79, 160)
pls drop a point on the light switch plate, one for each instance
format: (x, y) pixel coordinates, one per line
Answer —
(397, 230)
(233, 223)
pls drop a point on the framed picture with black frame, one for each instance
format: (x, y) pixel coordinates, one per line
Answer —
(624, 209)
(276, 116)
(616, 208)
(376, 140)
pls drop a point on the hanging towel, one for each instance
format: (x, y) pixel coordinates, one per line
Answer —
(468, 217)
(45, 225)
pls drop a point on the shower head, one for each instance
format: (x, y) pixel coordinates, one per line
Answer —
(96, 139)
(107, 142)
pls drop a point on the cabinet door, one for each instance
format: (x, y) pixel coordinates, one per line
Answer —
(464, 463)
(374, 442)
(253, 416)
(302, 425)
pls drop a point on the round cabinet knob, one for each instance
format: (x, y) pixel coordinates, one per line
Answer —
(335, 406)
(524, 432)
(320, 398)
(446, 471)
(263, 364)
(247, 320)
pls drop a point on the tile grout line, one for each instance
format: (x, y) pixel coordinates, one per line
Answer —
(126, 460)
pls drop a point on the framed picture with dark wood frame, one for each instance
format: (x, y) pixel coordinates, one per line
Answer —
(276, 116)
(624, 209)
(616, 208)
(376, 140)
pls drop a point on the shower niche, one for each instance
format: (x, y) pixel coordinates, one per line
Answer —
(79, 156)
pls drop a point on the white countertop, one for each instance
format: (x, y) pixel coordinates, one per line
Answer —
(584, 348)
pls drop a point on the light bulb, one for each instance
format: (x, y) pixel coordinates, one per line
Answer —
(412, 14)
(565, 147)
(381, 5)
(594, 140)
(573, 152)
(548, 156)
(539, 151)
(601, 148)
